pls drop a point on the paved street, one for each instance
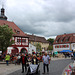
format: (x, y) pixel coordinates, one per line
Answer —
(56, 67)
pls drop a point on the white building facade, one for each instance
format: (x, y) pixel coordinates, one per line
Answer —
(21, 45)
(64, 42)
(31, 48)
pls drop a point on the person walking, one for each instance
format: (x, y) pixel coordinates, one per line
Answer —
(46, 62)
(7, 58)
(23, 61)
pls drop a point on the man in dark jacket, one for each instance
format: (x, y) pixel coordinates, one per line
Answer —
(23, 61)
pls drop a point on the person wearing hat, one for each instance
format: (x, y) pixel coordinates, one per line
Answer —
(34, 60)
(46, 62)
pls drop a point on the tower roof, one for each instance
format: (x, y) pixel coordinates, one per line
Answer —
(2, 16)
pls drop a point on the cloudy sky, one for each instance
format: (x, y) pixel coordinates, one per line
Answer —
(42, 17)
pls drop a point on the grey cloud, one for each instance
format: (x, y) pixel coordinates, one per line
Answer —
(42, 17)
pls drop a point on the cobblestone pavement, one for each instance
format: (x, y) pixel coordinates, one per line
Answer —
(56, 67)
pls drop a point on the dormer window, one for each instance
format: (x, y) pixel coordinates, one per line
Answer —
(67, 39)
(56, 41)
(18, 32)
(63, 39)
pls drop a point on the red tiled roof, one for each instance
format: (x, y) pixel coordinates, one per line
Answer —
(65, 38)
(15, 28)
(37, 39)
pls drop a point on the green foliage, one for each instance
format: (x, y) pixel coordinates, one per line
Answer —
(38, 47)
(50, 47)
(51, 41)
(5, 36)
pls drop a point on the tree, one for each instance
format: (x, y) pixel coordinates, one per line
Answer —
(6, 34)
(38, 47)
(50, 41)
(50, 47)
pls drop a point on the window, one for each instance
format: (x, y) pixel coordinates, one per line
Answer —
(62, 39)
(67, 45)
(60, 46)
(18, 40)
(73, 45)
(68, 39)
(18, 32)
(57, 46)
(57, 40)
(23, 40)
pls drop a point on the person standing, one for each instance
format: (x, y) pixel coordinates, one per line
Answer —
(53, 55)
(34, 60)
(46, 62)
(23, 61)
(29, 59)
(7, 58)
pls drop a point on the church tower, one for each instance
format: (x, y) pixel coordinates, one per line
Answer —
(2, 16)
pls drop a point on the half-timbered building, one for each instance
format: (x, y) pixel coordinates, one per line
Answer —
(21, 43)
(64, 42)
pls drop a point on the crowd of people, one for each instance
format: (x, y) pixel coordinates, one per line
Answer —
(35, 61)
(65, 54)
(12, 58)
(26, 59)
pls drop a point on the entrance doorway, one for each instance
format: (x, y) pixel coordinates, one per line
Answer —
(15, 50)
(23, 50)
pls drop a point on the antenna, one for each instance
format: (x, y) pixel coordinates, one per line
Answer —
(2, 4)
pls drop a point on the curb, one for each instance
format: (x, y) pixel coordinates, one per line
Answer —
(59, 58)
(4, 63)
